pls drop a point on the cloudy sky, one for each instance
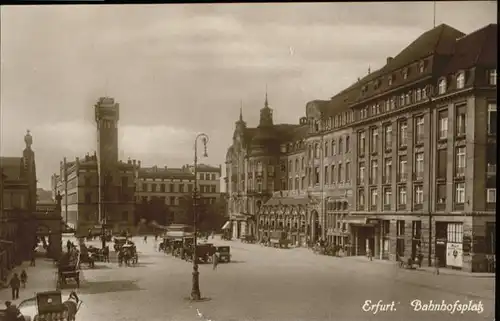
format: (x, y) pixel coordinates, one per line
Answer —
(181, 69)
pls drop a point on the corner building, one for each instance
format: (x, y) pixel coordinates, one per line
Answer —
(425, 129)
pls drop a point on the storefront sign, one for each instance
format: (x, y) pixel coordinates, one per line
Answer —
(454, 254)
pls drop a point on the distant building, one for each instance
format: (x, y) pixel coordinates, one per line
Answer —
(170, 185)
(98, 188)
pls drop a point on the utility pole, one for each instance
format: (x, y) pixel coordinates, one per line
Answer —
(66, 190)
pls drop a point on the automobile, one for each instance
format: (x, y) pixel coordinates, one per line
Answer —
(224, 253)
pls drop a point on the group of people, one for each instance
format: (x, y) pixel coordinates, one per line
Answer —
(16, 282)
(12, 312)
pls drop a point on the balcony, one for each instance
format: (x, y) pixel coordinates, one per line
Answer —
(402, 207)
(418, 207)
(387, 207)
(460, 174)
(387, 179)
(419, 139)
(402, 178)
(458, 206)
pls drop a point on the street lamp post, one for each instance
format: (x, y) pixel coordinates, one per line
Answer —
(195, 291)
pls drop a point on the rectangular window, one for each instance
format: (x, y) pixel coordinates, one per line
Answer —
(332, 174)
(347, 172)
(492, 77)
(316, 175)
(341, 146)
(419, 194)
(388, 137)
(441, 193)
(334, 148)
(162, 188)
(402, 195)
(374, 142)
(419, 165)
(492, 118)
(171, 188)
(361, 197)
(443, 124)
(144, 187)
(402, 168)
(362, 141)
(400, 228)
(403, 133)
(491, 195)
(460, 120)
(347, 144)
(460, 193)
(88, 198)
(419, 129)
(361, 172)
(374, 172)
(153, 188)
(190, 188)
(373, 197)
(442, 160)
(455, 233)
(340, 175)
(387, 170)
(326, 175)
(172, 200)
(460, 162)
(387, 196)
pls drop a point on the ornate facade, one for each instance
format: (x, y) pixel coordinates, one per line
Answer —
(397, 163)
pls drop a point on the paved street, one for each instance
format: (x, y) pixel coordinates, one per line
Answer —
(268, 284)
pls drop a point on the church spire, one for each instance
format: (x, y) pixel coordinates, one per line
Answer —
(241, 110)
(266, 114)
(266, 104)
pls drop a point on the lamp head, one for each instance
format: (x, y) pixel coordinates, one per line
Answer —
(205, 140)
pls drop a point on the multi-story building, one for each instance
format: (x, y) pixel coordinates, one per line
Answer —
(170, 185)
(208, 181)
(402, 162)
(424, 126)
(19, 223)
(98, 188)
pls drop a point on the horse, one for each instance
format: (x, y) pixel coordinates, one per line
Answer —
(72, 305)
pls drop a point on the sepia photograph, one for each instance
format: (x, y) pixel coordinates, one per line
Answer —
(270, 161)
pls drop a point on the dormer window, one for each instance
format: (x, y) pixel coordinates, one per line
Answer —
(460, 80)
(492, 77)
(421, 66)
(442, 86)
(402, 100)
(389, 80)
(405, 73)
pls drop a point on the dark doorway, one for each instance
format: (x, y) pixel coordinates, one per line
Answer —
(441, 240)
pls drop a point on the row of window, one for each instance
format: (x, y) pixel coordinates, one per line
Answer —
(207, 176)
(418, 198)
(460, 81)
(342, 146)
(173, 200)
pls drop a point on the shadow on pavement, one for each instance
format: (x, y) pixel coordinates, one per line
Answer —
(234, 262)
(98, 287)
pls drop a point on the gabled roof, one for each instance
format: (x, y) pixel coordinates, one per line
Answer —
(11, 167)
(476, 48)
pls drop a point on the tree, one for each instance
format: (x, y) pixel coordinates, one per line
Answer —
(152, 210)
(209, 216)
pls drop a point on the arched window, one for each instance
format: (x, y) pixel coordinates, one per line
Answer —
(326, 148)
(460, 80)
(442, 86)
(316, 150)
(297, 165)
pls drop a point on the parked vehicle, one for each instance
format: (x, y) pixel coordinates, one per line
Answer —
(224, 253)
(279, 239)
(248, 239)
(48, 305)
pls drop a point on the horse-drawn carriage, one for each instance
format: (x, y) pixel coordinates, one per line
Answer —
(119, 242)
(97, 254)
(68, 269)
(49, 306)
(128, 255)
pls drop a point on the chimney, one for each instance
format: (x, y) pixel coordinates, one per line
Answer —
(77, 159)
(139, 163)
(165, 167)
(389, 59)
(134, 162)
(129, 161)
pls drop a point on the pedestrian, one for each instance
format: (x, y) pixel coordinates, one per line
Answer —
(436, 264)
(145, 239)
(24, 278)
(215, 260)
(156, 237)
(369, 253)
(15, 284)
(12, 312)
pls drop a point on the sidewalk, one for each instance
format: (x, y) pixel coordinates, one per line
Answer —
(442, 271)
(41, 277)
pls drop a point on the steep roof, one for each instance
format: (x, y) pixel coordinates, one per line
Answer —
(476, 48)
(11, 167)
(439, 40)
